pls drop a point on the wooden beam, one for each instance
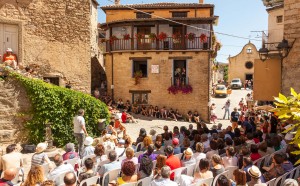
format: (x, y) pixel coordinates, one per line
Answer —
(139, 91)
(139, 58)
(181, 57)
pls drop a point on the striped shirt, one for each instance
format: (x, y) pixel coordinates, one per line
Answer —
(38, 159)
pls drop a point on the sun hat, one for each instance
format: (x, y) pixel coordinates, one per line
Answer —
(254, 171)
(175, 141)
(9, 50)
(41, 147)
(188, 152)
(290, 182)
(107, 136)
(88, 141)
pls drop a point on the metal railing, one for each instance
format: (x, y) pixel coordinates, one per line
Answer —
(154, 44)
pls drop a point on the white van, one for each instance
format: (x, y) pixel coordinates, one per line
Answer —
(236, 83)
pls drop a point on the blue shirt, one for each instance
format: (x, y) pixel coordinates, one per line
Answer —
(177, 150)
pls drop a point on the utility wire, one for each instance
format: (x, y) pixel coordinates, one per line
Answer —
(191, 26)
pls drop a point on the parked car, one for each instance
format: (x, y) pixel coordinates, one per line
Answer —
(221, 91)
(236, 83)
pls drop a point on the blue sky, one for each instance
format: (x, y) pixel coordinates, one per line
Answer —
(236, 17)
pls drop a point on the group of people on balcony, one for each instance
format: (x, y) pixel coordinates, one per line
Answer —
(180, 77)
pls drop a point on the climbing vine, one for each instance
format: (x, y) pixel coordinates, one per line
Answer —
(59, 105)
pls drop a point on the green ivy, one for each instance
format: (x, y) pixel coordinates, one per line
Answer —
(59, 105)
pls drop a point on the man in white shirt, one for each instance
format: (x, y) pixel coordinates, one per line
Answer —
(59, 169)
(80, 130)
(165, 180)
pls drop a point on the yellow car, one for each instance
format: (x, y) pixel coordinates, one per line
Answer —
(221, 91)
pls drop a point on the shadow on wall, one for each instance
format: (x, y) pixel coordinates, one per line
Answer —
(98, 74)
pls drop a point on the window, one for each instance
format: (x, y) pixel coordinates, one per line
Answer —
(141, 15)
(179, 72)
(249, 50)
(279, 19)
(249, 65)
(140, 98)
(140, 66)
(179, 14)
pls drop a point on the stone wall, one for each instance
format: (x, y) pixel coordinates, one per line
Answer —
(54, 33)
(14, 109)
(291, 64)
(197, 72)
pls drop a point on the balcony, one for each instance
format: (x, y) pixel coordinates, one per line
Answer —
(149, 44)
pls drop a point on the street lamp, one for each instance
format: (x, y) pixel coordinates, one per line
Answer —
(283, 48)
(263, 53)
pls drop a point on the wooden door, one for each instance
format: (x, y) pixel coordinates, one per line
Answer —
(145, 43)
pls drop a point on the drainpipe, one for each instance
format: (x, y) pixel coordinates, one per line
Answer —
(112, 76)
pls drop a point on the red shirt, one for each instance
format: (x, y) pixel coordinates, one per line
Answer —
(255, 156)
(173, 162)
(124, 117)
(256, 140)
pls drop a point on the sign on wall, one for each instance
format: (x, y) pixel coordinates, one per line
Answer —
(155, 69)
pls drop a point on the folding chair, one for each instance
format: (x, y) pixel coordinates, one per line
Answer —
(282, 178)
(154, 164)
(46, 169)
(73, 161)
(19, 174)
(130, 184)
(139, 146)
(86, 157)
(190, 170)
(100, 164)
(145, 181)
(230, 170)
(90, 181)
(178, 155)
(110, 176)
(260, 162)
(177, 173)
(217, 177)
(59, 180)
(271, 182)
(207, 181)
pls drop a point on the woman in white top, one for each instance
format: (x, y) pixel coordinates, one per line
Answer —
(230, 159)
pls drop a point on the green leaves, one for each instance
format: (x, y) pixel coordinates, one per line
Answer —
(59, 105)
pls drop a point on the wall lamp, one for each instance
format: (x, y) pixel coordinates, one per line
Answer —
(282, 49)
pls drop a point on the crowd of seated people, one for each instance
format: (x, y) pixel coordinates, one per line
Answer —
(210, 150)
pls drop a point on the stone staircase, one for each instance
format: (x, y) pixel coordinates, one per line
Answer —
(13, 100)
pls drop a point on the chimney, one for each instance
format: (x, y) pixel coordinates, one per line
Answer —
(117, 2)
(201, 1)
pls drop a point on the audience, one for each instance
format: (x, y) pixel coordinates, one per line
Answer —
(146, 167)
(217, 167)
(40, 157)
(130, 156)
(70, 152)
(35, 176)
(88, 149)
(172, 161)
(188, 158)
(12, 158)
(89, 170)
(70, 179)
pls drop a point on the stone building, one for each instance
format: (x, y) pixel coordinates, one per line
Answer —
(242, 65)
(58, 35)
(156, 52)
(280, 74)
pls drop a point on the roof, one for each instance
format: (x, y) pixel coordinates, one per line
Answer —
(159, 19)
(275, 7)
(157, 6)
(96, 2)
(246, 45)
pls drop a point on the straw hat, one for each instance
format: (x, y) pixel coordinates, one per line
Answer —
(41, 147)
(254, 171)
(188, 152)
(88, 141)
(9, 50)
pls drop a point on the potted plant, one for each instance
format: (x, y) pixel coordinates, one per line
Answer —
(190, 36)
(137, 76)
(140, 36)
(113, 38)
(152, 37)
(162, 36)
(126, 36)
(203, 39)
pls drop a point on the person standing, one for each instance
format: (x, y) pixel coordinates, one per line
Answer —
(80, 130)
(234, 118)
(226, 107)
